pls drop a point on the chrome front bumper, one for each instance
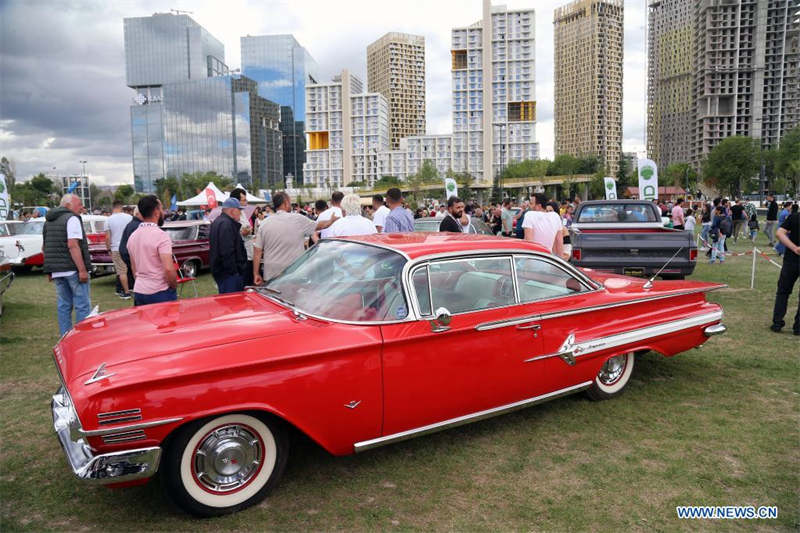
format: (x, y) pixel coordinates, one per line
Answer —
(115, 467)
(716, 329)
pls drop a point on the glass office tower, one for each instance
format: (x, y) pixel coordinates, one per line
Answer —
(217, 124)
(282, 68)
(167, 48)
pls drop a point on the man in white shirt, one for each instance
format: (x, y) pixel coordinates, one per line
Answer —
(442, 212)
(334, 209)
(379, 216)
(116, 226)
(353, 223)
(543, 227)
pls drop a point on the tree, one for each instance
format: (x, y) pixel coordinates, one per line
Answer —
(676, 174)
(730, 163)
(787, 160)
(387, 182)
(563, 165)
(43, 184)
(124, 193)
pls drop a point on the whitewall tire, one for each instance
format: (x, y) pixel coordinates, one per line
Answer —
(612, 378)
(223, 464)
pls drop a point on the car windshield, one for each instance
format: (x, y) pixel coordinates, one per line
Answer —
(27, 228)
(183, 233)
(344, 281)
(617, 213)
(427, 226)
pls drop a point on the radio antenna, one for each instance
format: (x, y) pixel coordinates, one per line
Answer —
(649, 284)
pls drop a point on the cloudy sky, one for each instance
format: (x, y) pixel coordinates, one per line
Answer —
(62, 66)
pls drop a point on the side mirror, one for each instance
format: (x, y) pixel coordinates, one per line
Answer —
(441, 322)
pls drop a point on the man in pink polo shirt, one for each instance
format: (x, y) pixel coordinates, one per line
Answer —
(678, 218)
(150, 249)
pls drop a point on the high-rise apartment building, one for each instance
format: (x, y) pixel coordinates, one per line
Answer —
(494, 92)
(396, 69)
(414, 151)
(670, 81)
(282, 68)
(745, 71)
(188, 114)
(346, 129)
(588, 80)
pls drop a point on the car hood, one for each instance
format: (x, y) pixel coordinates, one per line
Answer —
(120, 337)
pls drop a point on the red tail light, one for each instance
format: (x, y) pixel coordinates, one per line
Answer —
(693, 254)
(576, 254)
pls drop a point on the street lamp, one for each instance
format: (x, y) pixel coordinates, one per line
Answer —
(89, 196)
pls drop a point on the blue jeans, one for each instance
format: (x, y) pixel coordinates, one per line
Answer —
(71, 293)
(704, 233)
(228, 284)
(167, 295)
(718, 249)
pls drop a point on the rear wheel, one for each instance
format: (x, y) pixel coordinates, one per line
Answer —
(224, 464)
(612, 378)
(190, 268)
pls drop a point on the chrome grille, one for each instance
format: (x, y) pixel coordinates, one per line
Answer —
(118, 417)
(124, 436)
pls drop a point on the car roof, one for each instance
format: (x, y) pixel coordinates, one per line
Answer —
(416, 245)
(619, 201)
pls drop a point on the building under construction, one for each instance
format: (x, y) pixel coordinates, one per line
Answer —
(743, 78)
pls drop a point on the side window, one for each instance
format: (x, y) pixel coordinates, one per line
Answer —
(420, 281)
(472, 284)
(538, 279)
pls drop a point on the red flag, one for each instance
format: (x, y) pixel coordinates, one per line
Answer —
(211, 197)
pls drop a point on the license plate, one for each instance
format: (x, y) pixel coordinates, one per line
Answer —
(633, 271)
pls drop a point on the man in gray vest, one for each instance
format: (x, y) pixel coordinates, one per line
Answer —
(66, 260)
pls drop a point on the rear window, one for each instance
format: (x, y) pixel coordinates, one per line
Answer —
(617, 213)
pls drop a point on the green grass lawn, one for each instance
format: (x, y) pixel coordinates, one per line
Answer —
(715, 426)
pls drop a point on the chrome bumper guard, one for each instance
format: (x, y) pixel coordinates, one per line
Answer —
(115, 467)
(716, 329)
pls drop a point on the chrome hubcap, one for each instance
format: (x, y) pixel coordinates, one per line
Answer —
(612, 369)
(228, 458)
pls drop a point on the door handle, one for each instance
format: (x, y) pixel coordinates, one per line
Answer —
(534, 327)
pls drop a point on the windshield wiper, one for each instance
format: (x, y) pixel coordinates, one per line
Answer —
(270, 289)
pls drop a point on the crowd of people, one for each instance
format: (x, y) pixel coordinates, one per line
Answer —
(250, 249)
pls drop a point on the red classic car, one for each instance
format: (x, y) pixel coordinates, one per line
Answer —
(189, 245)
(359, 343)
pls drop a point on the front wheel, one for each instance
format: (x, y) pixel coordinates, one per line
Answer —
(224, 464)
(612, 378)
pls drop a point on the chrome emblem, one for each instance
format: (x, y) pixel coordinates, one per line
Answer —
(353, 404)
(99, 375)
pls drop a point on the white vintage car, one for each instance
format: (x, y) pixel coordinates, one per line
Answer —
(21, 242)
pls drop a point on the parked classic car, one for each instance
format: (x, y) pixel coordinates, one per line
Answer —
(23, 247)
(204, 390)
(190, 247)
(629, 237)
(431, 224)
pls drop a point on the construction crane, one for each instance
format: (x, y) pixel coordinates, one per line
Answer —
(181, 12)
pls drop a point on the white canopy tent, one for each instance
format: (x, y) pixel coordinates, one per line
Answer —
(202, 199)
(251, 198)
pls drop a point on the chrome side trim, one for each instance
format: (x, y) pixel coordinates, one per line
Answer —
(466, 419)
(130, 427)
(716, 329)
(620, 339)
(126, 436)
(558, 314)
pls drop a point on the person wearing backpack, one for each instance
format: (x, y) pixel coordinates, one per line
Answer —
(753, 225)
(719, 225)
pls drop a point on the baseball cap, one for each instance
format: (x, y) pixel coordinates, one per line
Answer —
(231, 202)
